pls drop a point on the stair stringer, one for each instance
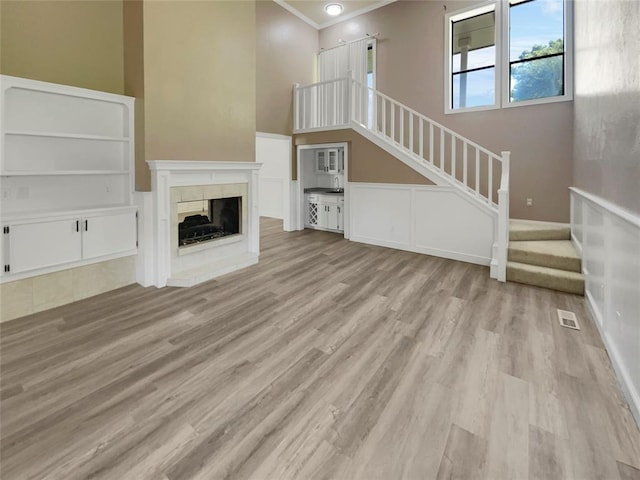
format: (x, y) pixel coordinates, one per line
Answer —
(426, 169)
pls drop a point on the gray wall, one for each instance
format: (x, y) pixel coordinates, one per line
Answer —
(411, 69)
(607, 101)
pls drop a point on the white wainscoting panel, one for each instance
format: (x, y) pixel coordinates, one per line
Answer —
(425, 219)
(609, 239)
(271, 197)
(380, 214)
(274, 152)
(448, 225)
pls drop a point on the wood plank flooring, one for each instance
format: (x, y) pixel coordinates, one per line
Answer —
(327, 360)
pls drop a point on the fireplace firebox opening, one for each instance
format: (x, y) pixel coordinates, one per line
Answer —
(209, 219)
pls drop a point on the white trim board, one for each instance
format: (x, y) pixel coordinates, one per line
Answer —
(276, 136)
(274, 152)
(630, 217)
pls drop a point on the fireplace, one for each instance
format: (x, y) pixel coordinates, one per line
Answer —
(223, 233)
(208, 220)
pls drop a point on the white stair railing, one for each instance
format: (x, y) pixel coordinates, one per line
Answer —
(473, 169)
(322, 105)
(470, 166)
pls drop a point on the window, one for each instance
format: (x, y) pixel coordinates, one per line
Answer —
(536, 49)
(508, 53)
(473, 59)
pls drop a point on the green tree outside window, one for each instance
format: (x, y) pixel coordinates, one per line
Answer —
(538, 73)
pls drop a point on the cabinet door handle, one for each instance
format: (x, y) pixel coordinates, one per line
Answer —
(86, 225)
(77, 225)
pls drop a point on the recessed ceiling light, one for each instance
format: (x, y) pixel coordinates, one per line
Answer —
(333, 9)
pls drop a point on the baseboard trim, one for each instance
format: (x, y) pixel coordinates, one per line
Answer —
(622, 374)
(435, 252)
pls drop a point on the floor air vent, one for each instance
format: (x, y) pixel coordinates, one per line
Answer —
(568, 319)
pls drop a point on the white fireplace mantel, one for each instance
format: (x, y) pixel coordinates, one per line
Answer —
(164, 265)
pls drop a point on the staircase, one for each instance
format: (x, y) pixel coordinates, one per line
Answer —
(541, 254)
(438, 153)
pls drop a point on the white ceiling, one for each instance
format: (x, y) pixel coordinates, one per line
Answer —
(312, 11)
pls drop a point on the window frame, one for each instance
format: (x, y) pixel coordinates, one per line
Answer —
(457, 16)
(503, 93)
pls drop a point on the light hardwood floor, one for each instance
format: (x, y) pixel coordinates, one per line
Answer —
(327, 360)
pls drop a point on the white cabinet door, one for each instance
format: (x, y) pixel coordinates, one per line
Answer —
(328, 216)
(44, 244)
(332, 216)
(4, 250)
(108, 234)
(323, 214)
(340, 217)
(333, 165)
(321, 161)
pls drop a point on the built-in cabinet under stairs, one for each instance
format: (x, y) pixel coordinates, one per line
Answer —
(541, 254)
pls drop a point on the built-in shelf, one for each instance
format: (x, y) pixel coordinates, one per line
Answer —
(66, 135)
(66, 166)
(26, 173)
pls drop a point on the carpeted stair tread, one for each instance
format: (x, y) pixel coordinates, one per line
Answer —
(536, 230)
(552, 278)
(559, 254)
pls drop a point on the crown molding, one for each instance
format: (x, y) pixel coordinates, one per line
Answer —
(298, 14)
(333, 21)
(356, 13)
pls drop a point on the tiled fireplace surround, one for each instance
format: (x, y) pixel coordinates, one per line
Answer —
(163, 263)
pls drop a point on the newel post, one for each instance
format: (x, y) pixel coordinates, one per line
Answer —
(503, 218)
(296, 108)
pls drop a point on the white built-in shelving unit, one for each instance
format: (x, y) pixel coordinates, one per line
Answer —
(66, 177)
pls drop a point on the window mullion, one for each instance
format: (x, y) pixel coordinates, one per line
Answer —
(541, 57)
(503, 8)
